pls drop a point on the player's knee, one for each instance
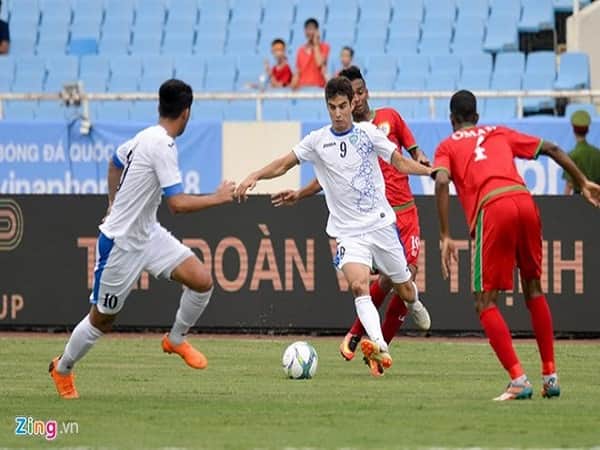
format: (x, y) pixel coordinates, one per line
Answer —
(201, 282)
(102, 322)
(483, 301)
(359, 287)
(532, 289)
(406, 291)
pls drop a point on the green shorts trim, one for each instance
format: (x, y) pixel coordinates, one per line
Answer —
(477, 261)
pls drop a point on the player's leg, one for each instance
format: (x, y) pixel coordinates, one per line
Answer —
(492, 271)
(529, 260)
(112, 285)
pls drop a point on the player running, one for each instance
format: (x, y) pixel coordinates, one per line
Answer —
(344, 155)
(131, 240)
(399, 195)
(505, 223)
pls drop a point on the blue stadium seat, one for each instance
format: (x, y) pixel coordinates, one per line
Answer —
(123, 82)
(30, 65)
(121, 12)
(53, 110)
(208, 110)
(182, 10)
(80, 47)
(510, 63)
(405, 27)
(537, 15)
(278, 11)
(381, 63)
(90, 9)
(538, 81)
(207, 45)
(307, 110)
(467, 44)
(342, 11)
(250, 67)
(381, 81)
(14, 110)
(86, 27)
(366, 44)
(270, 30)
(150, 13)
(310, 8)
(574, 71)
(178, 44)
(240, 110)
(151, 82)
(471, 27)
(112, 111)
(411, 10)
(220, 73)
(409, 82)
(181, 25)
(7, 72)
(144, 111)
(402, 45)
(57, 23)
(438, 27)
(375, 10)
(477, 64)
(543, 62)
(241, 44)
(499, 109)
(66, 66)
(440, 83)
(474, 81)
(567, 5)
(126, 65)
(473, 8)
(440, 8)
(434, 46)
(94, 83)
(502, 34)
(55, 8)
(114, 44)
(191, 69)
(150, 25)
(414, 64)
(52, 45)
(213, 11)
(340, 37)
(447, 65)
(94, 65)
(572, 107)
(276, 110)
(29, 81)
(158, 64)
(146, 44)
(506, 8)
(506, 81)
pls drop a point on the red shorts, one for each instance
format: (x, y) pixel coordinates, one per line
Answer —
(407, 222)
(508, 231)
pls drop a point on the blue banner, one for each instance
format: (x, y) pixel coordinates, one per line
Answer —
(55, 158)
(542, 176)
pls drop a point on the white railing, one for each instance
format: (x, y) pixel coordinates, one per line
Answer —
(84, 98)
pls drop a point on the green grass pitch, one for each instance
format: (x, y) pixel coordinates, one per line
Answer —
(438, 394)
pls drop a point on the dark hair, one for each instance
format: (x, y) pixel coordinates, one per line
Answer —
(352, 73)
(339, 86)
(349, 49)
(174, 97)
(277, 41)
(311, 21)
(463, 106)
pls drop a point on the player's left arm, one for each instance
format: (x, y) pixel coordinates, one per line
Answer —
(407, 140)
(275, 169)
(442, 201)
(409, 166)
(589, 189)
(114, 177)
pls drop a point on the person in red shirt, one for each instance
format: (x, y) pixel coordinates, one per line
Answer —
(505, 224)
(311, 58)
(280, 74)
(399, 196)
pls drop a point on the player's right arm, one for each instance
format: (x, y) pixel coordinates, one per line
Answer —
(275, 169)
(290, 197)
(185, 203)
(409, 166)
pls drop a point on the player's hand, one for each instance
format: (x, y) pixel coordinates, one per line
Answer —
(285, 198)
(423, 159)
(591, 192)
(248, 184)
(225, 191)
(449, 253)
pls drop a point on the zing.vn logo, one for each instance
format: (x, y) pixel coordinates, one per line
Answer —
(48, 429)
(11, 225)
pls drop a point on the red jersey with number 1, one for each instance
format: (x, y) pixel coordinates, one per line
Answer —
(480, 162)
(397, 189)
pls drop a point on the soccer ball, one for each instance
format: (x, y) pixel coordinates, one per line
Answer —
(300, 361)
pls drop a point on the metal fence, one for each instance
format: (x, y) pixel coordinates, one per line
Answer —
(83, 99)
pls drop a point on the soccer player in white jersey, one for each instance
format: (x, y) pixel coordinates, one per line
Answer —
(131, 240)
(344, 155)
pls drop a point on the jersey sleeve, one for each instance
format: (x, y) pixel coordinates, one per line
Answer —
(167, 169)
(403, 133)
(523, 145)
(119, 158)
(305, 150)
(441, 161)
(381, 144)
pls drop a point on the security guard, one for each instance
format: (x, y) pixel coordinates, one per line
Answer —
(584, 155)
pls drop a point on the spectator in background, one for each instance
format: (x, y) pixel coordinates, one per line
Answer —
(4, 35)
(311, 58)
(584, 155)
(280, 74)
(346, 59)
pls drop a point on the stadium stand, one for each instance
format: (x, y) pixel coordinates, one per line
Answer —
(221, 46)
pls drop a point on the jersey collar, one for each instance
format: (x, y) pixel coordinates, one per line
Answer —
(343, 133)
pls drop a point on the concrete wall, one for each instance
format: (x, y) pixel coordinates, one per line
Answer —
(583, 35)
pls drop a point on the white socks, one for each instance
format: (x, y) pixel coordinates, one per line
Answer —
(411, 305)
(191, 307)
(84, 336)
(369, 317)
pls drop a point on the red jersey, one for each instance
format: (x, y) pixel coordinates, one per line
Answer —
(480, 162)
(397, 189)
(282, 74)
(309, 73)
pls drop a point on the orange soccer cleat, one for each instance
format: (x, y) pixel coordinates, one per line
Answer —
(190, 355)
(375, 367)
(65, 384)
(348, 346)
(372, 351)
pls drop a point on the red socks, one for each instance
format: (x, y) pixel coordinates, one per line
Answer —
(501, 341)
(541, 321)
(377, 296)
(394, 318)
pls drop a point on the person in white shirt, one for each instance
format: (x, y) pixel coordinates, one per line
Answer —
(344, 155)
(142, 171)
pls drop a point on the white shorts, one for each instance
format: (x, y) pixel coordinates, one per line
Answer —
(117, 270)
(381, 248)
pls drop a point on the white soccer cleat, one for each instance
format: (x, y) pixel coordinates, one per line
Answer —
(420, 315)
